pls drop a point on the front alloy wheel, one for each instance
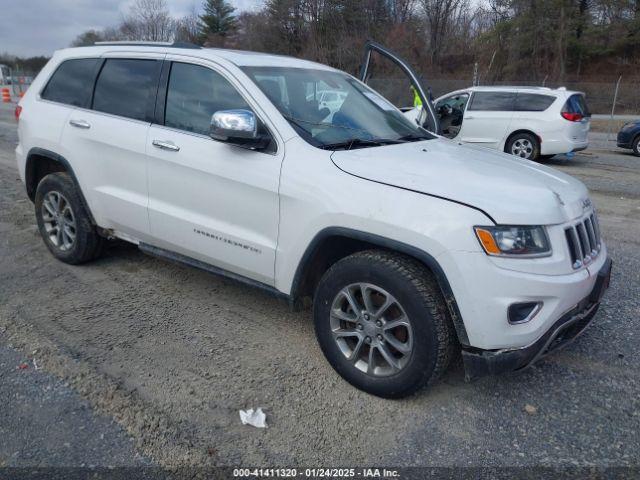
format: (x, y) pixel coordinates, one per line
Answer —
(371, 329)
(382, 323)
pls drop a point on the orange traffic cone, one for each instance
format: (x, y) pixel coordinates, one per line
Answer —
(6, 96)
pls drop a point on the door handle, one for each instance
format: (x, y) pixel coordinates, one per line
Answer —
(164, 145)
(80, 124)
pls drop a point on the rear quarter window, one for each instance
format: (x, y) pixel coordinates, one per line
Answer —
(533, 102)
(72, 82)
(127, 88)
(493, 101)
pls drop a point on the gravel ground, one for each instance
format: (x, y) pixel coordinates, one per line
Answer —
(172, 354)
(44, 422)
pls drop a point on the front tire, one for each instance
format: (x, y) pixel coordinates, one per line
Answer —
(636, 146)
(382, 323)
(63, 221)
(523, 145)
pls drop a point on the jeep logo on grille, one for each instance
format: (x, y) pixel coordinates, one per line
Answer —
(586, 203)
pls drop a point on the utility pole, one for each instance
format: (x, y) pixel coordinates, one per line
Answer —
(613, 107)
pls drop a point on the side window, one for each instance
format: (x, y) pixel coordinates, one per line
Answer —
(72, 82)
(533, 102)
(127, 87)
(493, 101)
(194, 94)
(455, 103)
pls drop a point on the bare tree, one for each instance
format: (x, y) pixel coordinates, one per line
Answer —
(148, 20)
(440, 15)
(187, 28)
(87, 38)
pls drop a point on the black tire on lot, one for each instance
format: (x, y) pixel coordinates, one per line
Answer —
(418, 298)
(636, 146)
(526, 144)
(81, 242)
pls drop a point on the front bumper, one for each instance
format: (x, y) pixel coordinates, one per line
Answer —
(479, 363)
(625, 139)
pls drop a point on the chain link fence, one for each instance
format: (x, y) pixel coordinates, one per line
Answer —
(17, 80)
(600, 95)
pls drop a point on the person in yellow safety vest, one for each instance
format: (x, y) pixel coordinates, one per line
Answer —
(416, 98)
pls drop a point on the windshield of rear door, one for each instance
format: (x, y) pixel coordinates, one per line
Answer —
(332, 110)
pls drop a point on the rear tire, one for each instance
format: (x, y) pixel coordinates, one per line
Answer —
(636, 146)
(390, 352)
(523, 145)
(63, 221)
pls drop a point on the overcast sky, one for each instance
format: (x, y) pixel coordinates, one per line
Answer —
(38, 27)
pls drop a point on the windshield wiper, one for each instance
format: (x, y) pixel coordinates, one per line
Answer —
(299, 121)
(360, 142)
(351, 142)
(415, 137)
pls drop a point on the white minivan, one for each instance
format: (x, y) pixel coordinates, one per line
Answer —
(409, 247)
(531, 122)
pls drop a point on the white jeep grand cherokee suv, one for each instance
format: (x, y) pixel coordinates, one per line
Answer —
(409, 246)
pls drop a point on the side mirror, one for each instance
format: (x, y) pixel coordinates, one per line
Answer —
(233, 125)
(240, 128)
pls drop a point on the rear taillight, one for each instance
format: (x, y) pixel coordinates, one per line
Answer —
(17, 112)
(572, 117)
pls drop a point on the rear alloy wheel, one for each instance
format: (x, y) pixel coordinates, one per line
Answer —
(382, 323)
(63, 221)
(58, 220)
(523, 145)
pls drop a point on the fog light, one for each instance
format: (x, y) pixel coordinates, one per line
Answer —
(523, 312)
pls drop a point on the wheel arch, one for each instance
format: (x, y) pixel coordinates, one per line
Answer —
(521, 130)
(41, 162)
(334, 243)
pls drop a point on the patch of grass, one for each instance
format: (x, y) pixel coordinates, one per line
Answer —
(601, 125)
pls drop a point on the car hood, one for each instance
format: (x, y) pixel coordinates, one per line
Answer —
(508, 189)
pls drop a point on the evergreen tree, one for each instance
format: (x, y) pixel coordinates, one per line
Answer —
(218, 19)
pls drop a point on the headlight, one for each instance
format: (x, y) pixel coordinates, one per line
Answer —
(507, 240)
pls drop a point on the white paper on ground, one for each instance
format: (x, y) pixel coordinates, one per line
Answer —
(256, 418)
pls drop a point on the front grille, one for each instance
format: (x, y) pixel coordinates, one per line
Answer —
(583, 239)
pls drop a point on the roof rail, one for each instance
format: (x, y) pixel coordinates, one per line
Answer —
(149, 44)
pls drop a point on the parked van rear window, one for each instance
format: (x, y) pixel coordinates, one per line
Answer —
(127, 87)
(72, 82)
(577, 104)
(533, 102)
(493, 101)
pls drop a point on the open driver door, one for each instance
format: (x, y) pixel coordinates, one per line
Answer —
(404, 90)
